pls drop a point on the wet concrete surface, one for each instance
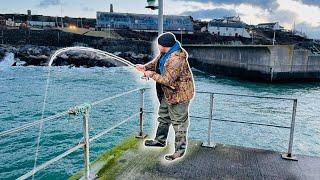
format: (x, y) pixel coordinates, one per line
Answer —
(221, 162)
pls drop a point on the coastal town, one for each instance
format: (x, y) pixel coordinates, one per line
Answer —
(160, 89)
(28, 35)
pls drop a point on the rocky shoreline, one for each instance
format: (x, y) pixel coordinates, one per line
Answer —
(26, 55)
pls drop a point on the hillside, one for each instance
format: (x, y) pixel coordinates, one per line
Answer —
(98, 39)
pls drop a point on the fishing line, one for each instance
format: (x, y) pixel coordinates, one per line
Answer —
(86, 49)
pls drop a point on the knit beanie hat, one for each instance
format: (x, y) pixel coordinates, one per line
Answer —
(167, 39)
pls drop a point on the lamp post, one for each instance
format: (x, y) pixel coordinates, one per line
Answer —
(274, 37)
(109, 30)
(181, 29)
(251, 32)
(152, 6)
(61, 13)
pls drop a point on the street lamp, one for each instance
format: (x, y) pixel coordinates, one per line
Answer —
(152, 6)
(274, 37)
(61, 13)
(181, 29)
(251, 32)
(109, 30)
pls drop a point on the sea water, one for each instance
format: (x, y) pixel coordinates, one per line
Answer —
(21, 97)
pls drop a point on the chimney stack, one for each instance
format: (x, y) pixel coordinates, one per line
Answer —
(111, 7)
(29, 15)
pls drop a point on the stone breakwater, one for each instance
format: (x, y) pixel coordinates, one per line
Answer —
(39, 56)
(266, 63)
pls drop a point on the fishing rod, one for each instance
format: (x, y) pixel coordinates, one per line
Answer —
(104, 53)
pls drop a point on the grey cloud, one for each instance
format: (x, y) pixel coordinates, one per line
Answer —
(282, 16)
(210, 13)
(265, 4)
(310, 2)
(285, 16)
(312, 32)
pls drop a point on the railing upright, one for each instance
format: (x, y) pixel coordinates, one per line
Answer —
(86, 147)
(289, 155)
(141, 134)
(208, 143)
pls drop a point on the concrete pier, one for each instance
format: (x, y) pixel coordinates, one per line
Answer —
(131, 160)
(256, 62)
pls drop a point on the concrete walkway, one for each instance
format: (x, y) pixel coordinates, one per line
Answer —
(222, 162)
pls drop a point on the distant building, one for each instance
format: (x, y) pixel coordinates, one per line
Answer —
(143, 22)
(228, 29)
(40, 21)
(29, 15)
(10, 22)
(2, 21)
(199, 26)
(274, 26)
(228, 26)
(231, 19)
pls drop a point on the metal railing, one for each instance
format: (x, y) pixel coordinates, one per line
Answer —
(288, 155)
(82, 110)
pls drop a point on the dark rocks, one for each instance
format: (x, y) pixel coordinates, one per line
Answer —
(2, 52)
(134, 58)
(40, 56)
(84, 59)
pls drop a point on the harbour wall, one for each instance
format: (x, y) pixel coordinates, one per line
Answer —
(268, 63)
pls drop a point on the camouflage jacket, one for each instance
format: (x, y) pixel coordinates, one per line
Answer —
(176, 80)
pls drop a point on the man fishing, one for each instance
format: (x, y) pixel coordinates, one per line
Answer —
(175, 88)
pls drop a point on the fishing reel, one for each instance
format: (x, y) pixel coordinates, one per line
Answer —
(145, 78)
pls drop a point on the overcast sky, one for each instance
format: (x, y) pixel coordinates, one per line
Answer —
(305, 13)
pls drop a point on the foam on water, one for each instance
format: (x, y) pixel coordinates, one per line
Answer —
(7, 61)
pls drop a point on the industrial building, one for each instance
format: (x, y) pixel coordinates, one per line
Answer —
(143, 22)
(274, 26)
(40, 21)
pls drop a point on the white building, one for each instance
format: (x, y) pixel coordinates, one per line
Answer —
(236, 29)
(10, 22)
(274, 26)
(229, 19)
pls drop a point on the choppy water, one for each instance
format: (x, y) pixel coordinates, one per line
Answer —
(21, 96)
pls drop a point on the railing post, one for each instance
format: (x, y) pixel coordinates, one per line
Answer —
(141, 134)
(86, 144)
(271, 74)
(208, 143)
(84, 110)
(289, 155)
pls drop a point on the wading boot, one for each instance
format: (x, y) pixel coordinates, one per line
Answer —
(175, 155)
(153, 143)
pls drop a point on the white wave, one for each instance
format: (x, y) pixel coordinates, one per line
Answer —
(7, 61)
